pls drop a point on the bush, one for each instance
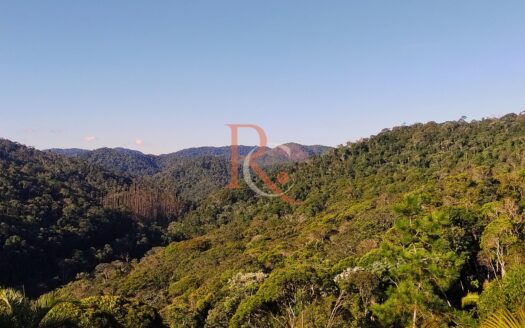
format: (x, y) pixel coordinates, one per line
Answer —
(508, 293)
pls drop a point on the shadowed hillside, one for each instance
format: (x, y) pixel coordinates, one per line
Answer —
(54, 223)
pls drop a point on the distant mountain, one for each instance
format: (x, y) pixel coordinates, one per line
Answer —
(119, 160)
(192, 174)
(298, 152)
(224, 151)
(135, 163)
(123, 161)
(69, 152)
(292, 152)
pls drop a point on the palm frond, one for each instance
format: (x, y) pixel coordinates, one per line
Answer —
(46, 302)
(18, 311)
(15, 309)
(43, 305)
(11, 300)
(505, 319)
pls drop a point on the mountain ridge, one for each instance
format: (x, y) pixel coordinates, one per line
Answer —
(136, 163)
(188, 152)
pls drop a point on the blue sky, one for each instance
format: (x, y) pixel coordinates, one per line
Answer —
(159, 76)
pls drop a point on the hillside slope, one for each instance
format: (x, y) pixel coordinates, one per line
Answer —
(53, 222)
(192, 173)
(418, 225)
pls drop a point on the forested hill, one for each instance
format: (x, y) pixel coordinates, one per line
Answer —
(134, 163)
(297, 152)
(65, 211)
(420, 225)
(191, 174)
(56, 218)
(119, 160)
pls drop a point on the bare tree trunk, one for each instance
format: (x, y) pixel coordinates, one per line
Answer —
(414, 317)
(337, 306)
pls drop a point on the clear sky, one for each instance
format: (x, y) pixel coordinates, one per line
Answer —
(159, 76)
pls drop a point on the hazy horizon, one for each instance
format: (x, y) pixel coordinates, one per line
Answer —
(271, 145)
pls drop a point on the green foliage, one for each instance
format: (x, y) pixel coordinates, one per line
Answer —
(500, 242)
(16, 311)
(471, 299)
(53, 224)
(286, 291)
(392, 231)
(417, 265)
(105, 312)
(507, 293)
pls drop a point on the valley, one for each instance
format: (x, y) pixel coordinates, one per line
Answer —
(418, 225)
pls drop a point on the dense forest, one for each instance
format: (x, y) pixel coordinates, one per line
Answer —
(134, 163)
(65, 211)
(191, 174)
(417, 226)
(54, 222)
